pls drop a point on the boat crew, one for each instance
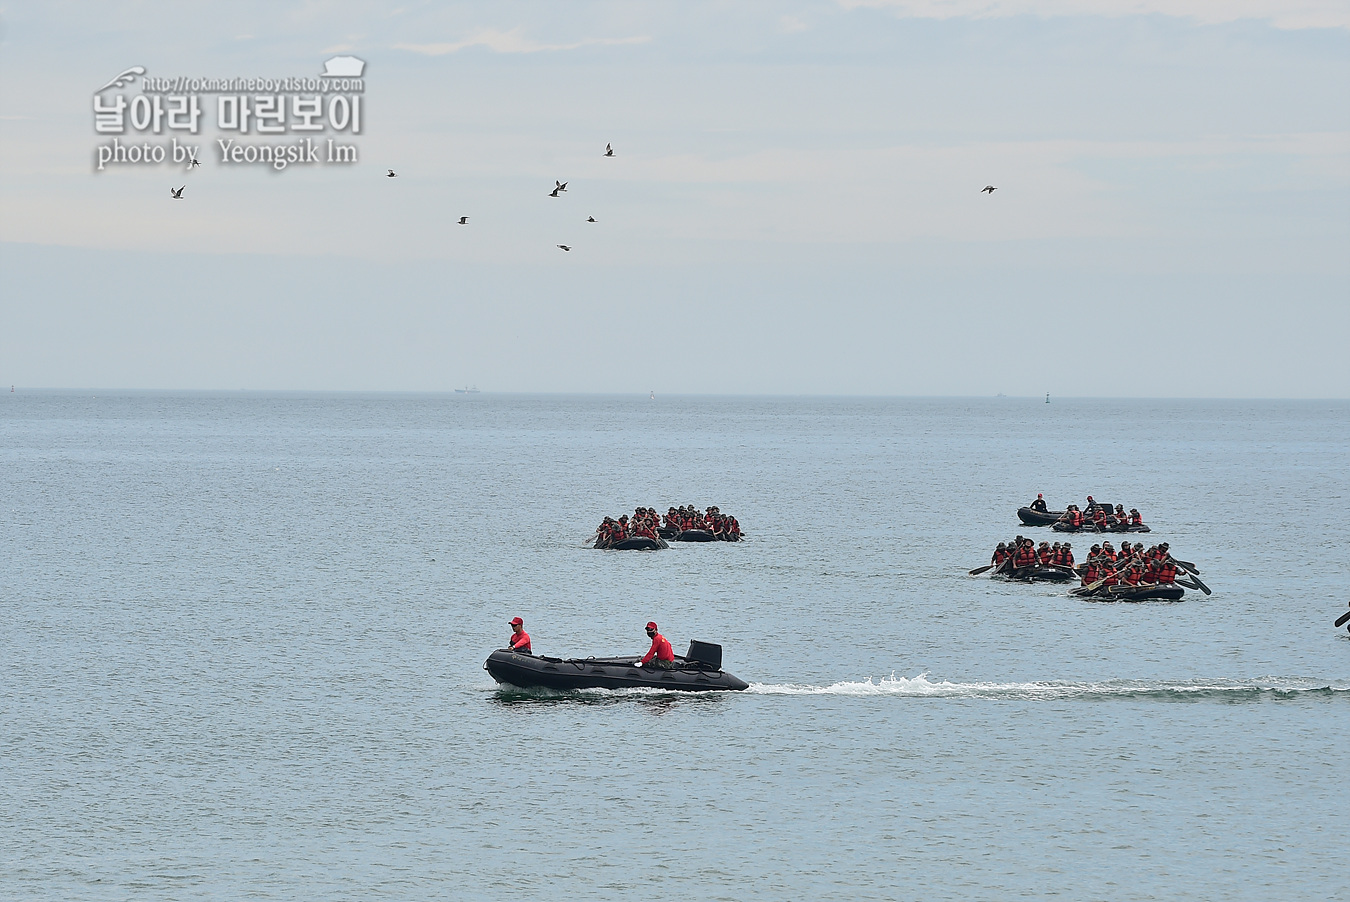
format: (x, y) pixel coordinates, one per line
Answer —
(520, 640)
(1039, 503)
(1167, 571)
(660, 654)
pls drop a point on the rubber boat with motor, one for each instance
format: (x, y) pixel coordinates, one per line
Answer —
(1030, 517)
(700, 670)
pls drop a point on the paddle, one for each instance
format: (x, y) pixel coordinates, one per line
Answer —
(1198, 584)
(1187, 585)
(1343, 618)
(1093, 587)
(978, 570)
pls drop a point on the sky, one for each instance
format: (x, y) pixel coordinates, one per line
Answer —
(793, 205)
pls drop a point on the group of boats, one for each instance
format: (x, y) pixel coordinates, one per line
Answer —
(1108, 582)
(698, 670)
(647, 531)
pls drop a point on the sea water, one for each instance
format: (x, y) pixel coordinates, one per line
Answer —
(242, 636)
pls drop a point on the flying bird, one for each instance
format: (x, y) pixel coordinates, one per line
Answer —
(609, 151)
(989, 189)
(559, 186)
(553, 193)
(590, 219)
(195, 162)
(392, 175)
(464, 220)
(177, 193)
(564, 247)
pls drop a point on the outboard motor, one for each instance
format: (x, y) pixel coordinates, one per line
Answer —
(705, 653)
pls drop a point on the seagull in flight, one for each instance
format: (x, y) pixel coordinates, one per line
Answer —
(464, 220)
(564, 247)
(590, 219)
(177, 193)
(392, 175)
(195, 162)
(609, 151)
(553, 193)
(559, 186)
(988, 189)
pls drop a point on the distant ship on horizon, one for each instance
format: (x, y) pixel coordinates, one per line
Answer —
(471, 390)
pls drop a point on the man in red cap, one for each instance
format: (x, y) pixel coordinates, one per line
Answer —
(660, 654)
(1039, 503)
(520, 640)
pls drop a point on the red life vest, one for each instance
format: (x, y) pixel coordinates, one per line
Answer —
(1167, 572)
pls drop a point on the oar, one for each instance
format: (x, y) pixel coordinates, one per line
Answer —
(1093, 587)
(1198, 584)
(1188, 585)
(1201, 586)
(1187, 565)
(978, 570)
(1340, 621)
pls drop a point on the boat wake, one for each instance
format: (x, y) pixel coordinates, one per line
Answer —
(1178, 690)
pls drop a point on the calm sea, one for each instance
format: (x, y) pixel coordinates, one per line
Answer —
(242, 636)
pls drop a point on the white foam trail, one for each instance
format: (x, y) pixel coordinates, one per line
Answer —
(921, 687)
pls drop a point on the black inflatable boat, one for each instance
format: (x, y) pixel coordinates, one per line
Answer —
(634, 543)
(1038, 518)
(700, 670)
(695, 535)
(1089, 526)
(1035, 574)
(1171, 592)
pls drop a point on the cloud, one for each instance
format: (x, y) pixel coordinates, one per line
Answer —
(1289, 14)
(513, 41)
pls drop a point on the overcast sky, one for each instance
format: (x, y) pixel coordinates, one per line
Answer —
(793, 206)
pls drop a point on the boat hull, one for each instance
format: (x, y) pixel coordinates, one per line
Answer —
(1037, 574)
(695, 535)
(1171, 592)
(538, 672)
(636, 543)
(1091, 527)
(1038, 518)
